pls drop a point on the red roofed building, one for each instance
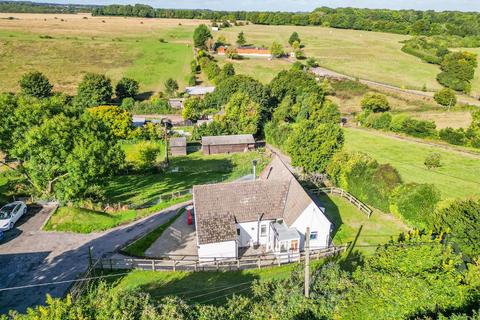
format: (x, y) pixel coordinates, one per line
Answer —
(247, 51)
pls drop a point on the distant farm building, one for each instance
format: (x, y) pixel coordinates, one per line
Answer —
(247, 51)
(176, 103)
(138, 122)
(228, 144)
(178, 146)
(199, 91)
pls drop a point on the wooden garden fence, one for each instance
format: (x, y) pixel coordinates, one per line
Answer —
(192, 263)
(344, 194)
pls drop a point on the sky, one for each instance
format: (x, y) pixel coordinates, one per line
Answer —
(293, 5)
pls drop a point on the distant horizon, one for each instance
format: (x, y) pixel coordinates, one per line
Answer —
(287, 5)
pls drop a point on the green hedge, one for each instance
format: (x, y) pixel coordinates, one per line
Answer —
(416, 204)
(365, 178)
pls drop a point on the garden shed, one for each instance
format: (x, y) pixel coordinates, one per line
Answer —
(178, 146)
(228, 144)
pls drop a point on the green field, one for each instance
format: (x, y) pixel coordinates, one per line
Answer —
(146, 190)
(458, 176)
(132, 149)
(368, 55)
(117, 47)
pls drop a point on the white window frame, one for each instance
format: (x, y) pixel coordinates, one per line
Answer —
(263, 230)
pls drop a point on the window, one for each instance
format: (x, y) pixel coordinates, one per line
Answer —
(238, 231)
(263, 231)
(314, 235)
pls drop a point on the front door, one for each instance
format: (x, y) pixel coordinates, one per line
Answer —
(294, 245)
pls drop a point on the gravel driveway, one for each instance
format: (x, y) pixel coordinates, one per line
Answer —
(31, 256)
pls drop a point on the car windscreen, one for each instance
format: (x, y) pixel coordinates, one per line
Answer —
(6, 211)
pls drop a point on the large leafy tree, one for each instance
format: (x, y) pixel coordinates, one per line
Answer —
(312, 145)
(242, 114)
(200, 36)
(294, 37)
(94, 90)
(171, 86)
(117, 119)
(66, 158)
(375, 102)
(35, 84)
(241, 41)
(126, 88)
(193, 109)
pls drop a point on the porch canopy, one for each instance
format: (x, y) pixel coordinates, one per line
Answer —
(284, 233)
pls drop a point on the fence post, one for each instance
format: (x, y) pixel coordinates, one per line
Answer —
(153, 265)
(174, 265)
(238, 264)
(216, 263)
(259, 262)
(196, 266)
(111, 265)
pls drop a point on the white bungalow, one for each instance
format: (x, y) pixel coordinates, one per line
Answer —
(273, 212)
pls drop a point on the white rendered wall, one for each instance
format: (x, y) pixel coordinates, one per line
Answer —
(250, 233)
(314, 218)
(218, 250)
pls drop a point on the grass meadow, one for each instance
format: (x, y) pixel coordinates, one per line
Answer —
(65, 47)
(457, 177)
(368, 55)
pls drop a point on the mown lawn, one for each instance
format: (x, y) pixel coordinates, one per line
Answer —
(457, 178)
(202, 287)
(260, 69)
(379, 228)
(132, 149)
(182, 174)
(145, 190)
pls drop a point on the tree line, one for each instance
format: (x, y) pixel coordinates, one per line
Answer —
(413, 22)
(33, 7)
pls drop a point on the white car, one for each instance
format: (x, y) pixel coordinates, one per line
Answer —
(10, 214)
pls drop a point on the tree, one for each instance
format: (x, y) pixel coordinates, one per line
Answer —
(461, 220)
(171, 86)
(68, 158)
(126, 88)
(94, 90)
(375, 102)
(241, 41)
(147, 157)
(294, 38)
(242, 114)
(311, 63)
(277, 50)
(117, 119)
(433, 161)
(35, 84)
(192, 109)
(446, 97)
(200, 36)
(312, 145)
(232, 53)
(228, 70)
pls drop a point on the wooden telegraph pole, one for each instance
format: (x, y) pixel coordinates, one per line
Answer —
(307, 263)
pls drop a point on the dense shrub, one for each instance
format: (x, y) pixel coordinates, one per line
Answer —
(453, 136)
(214, 128)
(418, 128)
(375, 102)
(153, 106)
(461, 219)
(365, 178)
(379, 121)
(126, 88)
(446, 97)
(35, 84)
(416, 204)
(458, 69)
(433, 160)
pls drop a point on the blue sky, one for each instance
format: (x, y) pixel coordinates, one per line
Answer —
(294, 5)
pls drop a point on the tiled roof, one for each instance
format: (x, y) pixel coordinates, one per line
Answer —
(276, 195)
(219, 206)
(231, 139)
(298, 199)
(178, 142)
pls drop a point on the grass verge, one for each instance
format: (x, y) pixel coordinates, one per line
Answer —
(139, 247)
(79, 220)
